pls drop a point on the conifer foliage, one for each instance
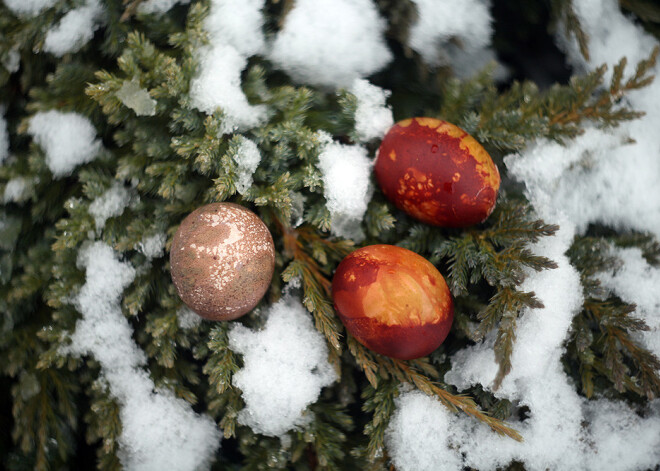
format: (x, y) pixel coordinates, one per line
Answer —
(155, 155)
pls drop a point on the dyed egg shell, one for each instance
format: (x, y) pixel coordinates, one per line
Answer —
(437, 173)
(222, 261)
(393, 301)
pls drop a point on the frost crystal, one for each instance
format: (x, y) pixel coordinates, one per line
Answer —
(68, 139)
(331, 42)
(137, 98)
(289, 353)
(159, 431)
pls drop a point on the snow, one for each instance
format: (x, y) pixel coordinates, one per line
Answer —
(635, 281)
(234, 29)
(28, 7)
(285, 367)
(247, 158)
(453, 33)
(159, 6)
(331, 42)
(68, 139)
(137, 98)
(12, 62)
(15, 190)
(75, 29)
(153, 246)
(4, 137)
(187, 318)
(373, 118)
(159, 431)
(414, 451)
(237, 23)
(599, 177)
(110, 204)
(346, 171)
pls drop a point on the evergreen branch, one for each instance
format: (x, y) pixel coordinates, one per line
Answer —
(563, 12)
(602, 342)
(317, 289)
(408, 372)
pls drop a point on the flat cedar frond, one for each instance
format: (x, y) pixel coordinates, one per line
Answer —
(602, 342)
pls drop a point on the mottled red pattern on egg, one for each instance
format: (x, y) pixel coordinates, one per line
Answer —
(222, 260)
(393, 301)
(437, 173)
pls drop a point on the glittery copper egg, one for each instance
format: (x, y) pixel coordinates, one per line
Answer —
(437, 173)
(222, 260)
(393, 301)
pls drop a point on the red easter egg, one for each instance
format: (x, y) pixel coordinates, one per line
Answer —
(437, 173)
(393, 301)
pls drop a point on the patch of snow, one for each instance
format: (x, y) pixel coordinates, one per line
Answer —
(110, 204)
(234, 29)
(187, 318)
(247, 158)
(68, 139)
(414, 451)
(159, 6)
(153, 246)
(4, 137)
(288, 352)
(28, 7)
(15, 190)
(331, 42)
(635, 281)
(75, 29)
(373, 118)
(453, 33)
(159, 431)
(346, 172)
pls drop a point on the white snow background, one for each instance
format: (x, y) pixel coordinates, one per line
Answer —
(618, 187)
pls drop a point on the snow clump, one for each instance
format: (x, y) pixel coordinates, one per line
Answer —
(159, 6)
(110, 204)
(331, 42)
(289, 353)
(29, 7)
(4, 138)
(453, 33)
(68, 139)
(136, 98)
(152, 246)
(247, 158)
(75, 29)
(346, 170)
(159, 431)
(373, 117)
(234, 28)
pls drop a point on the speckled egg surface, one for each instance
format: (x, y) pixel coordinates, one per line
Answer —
(222, 260)
(437, 173)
